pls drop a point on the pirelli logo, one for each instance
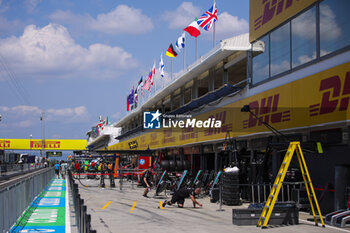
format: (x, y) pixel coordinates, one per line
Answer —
(5, 144)
(36, 144)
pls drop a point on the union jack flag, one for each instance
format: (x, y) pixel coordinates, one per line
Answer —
(208, 18)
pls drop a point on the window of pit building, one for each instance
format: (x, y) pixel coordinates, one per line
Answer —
(304, 37)
(219, 75)
(176, 99)
(203, 84)
(261, 68)
(280, 49)
(167, 104)
(334, 25)
(237, 72)
(188, 92)
(187, 95)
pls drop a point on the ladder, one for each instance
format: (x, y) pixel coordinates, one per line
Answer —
(270, 203)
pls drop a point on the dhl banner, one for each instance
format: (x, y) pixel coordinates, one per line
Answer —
(265, 15)
(317, 99)
(36, 144)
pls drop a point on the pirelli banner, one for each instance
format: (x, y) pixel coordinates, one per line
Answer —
(36, 144)
(321, 98)
(265, 15)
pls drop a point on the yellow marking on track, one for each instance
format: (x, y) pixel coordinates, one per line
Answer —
(161, 205)
(133, 207)
(106, 205)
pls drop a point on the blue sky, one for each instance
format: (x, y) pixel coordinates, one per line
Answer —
(79, 59)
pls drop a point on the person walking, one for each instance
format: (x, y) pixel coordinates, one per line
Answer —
(57, 170)
(146, 181)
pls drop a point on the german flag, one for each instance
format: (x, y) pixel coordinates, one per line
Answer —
(171, 52)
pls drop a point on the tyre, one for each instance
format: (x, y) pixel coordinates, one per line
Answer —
(179, 165)
(165, 165)
(232, 202)
(233, 189)
(186, 165)
(172, 165)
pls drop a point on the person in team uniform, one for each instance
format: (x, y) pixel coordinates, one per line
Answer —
(146, 181)
(180, 196)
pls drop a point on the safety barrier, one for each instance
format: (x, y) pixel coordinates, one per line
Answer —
(17, 194)
(258, 193)
(14, 169)
(83, 219)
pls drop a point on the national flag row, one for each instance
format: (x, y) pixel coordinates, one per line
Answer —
(205, 21)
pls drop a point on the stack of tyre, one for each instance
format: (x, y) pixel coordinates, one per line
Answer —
(230, 189)
(175, 165)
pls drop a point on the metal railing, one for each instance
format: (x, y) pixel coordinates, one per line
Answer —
(17, 194)
(13, 169)
(83, 219)
(258, 193)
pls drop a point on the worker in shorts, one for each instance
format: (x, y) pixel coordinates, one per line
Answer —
(180, 195)
(57, 170)
(146, 181)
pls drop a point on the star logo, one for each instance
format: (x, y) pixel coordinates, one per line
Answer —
(156, 115)
(151, 120)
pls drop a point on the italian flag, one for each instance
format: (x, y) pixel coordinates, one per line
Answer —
(193, 28)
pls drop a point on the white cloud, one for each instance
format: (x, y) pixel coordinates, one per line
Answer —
(50, 52)
(182, 16)
(329, 28)
(228, 26)
(305, 25)
(122, 20)
(24, 116)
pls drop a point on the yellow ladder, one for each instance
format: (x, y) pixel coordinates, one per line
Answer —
(270, 203)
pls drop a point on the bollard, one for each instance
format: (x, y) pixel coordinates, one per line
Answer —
(220, 197)
(88, 221)
(111, 180)
(102, 181)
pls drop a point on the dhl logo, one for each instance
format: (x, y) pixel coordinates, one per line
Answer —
(271, 9)
(335, 98)
(5, 144)
(48, 144)
(267, 111)
(225, 126)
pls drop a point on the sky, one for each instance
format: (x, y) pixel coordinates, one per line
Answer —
(77, 60)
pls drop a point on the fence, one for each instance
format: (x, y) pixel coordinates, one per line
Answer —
(83, 219)
(258, 193)
(14, 169)
(16, 195)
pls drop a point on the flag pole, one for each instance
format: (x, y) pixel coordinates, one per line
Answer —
(171, 60)
(196, 48)
(214, 29)
(184, 57)
(155, 86)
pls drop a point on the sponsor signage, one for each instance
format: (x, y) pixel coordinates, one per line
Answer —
(265, 15)
(53, 153)
(317, 99)
(133, 145)
(37, 144)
